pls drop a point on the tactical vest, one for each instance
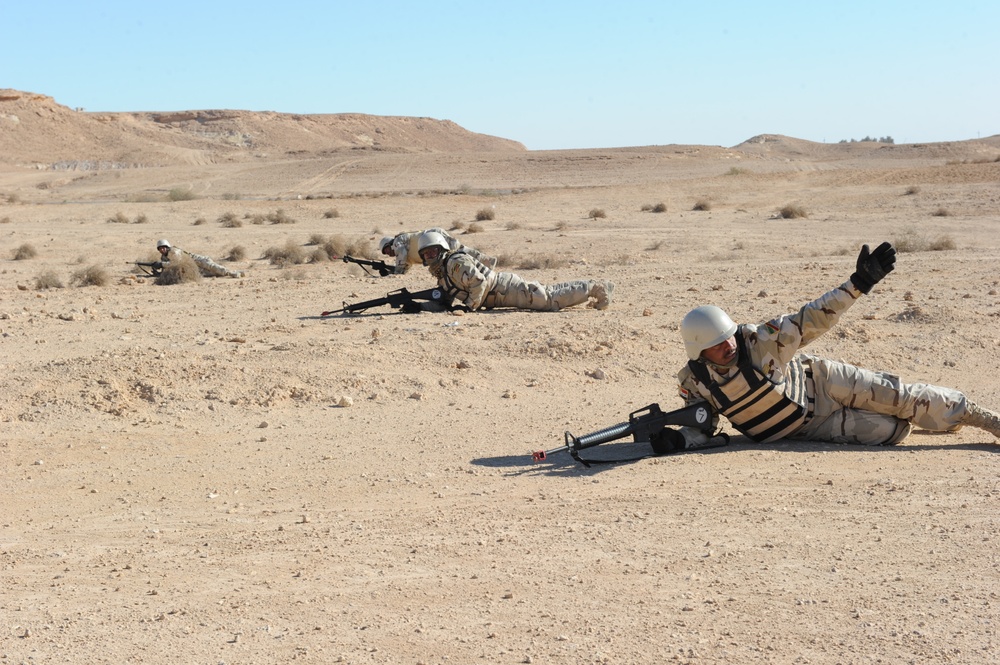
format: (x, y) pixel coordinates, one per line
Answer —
(754, 405)
(451, 289)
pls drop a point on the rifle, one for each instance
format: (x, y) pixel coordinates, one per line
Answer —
(410, 303)
(149, 268)
(381, 266)
(647, 425)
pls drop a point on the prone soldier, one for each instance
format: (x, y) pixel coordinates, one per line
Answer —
(405, 249)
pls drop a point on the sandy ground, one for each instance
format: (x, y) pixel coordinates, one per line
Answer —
(212, 473)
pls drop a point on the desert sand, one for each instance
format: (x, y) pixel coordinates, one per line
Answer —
(210, 472)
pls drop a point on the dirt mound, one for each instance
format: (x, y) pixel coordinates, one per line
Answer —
(35, 129)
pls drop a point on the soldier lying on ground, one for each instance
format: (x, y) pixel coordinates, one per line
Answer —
(404, 247)
(207, 266)
(753, 375)
(471, 285)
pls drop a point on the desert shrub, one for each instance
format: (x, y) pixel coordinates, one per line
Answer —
(257, 219)
(337, 246)
(655, 245)
(319, 255)
(231, 196)
(659, 207)
(792, 211)
(942, 212)
(236, 253)
(912, 189)
(912, 240)
(199, 222)
(702, 204)
(646, 207)
(118, 218)
(229, 220)
(561, 226)
(484, 214)
(316, 239)
(333, 213)
(90, 276)
(182, 271)
(5, 220)
(181, 194)
(506, 260)
(736, 170)
(290, 254)
(25, 251)
(475, 228)
(512, 226)
(458, 226)
(597, 213)
(48, 280)
(542, 262)
(280, 217)
(141, 219)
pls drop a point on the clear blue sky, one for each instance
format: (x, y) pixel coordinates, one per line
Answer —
(550, 74)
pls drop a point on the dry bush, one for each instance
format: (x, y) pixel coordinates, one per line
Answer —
(596, 213)
(655, 245)
(512, 226)
(237, 253)
(182, 271)
(913, 241)
(337, 246)
(199, 222)
(229, 220)
(290, 254)
(316, 239)
(4, 220)
(646, 207)
(506, 260)
(280, 217)
(942, 212)
(257, 219)
(475, 228)
(181, 194)
(93, 275)
(458, 226)
(659, 207)
(332, 213)
(911, 190)
(484, 214)
(319, 255)
(25, 251)
(542, 262)
(141, 219)
(702, 204)
(561, 226)
(119, 218)
(48, 280)
(792, 211)
(736, 170)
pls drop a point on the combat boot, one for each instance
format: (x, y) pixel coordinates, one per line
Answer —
(601, 292)
(984, 419)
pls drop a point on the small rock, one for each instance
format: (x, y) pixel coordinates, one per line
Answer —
(647, 312)
(262, 425)
(345, 401)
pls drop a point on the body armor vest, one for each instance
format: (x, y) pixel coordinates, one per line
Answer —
(451, 289)
(754, 405)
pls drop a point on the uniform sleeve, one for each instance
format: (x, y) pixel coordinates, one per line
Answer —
(465, 272)
(689, 388)
(401, 247)
(782, 337)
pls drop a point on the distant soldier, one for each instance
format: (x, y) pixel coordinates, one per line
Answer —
(755, 376)
(404, 247)
(207, 266)
(471, 285)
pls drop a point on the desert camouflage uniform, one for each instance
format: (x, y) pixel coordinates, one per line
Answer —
(405, 247)
(207, 266)
(466, 280)
(841, 403)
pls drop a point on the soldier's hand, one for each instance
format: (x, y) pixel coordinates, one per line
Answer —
(873, 266)
(459, 310)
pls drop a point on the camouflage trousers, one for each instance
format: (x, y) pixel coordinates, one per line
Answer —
(855, 405)
(210, 268)
(512, 291)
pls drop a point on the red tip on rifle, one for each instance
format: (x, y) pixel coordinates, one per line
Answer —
(538, 456)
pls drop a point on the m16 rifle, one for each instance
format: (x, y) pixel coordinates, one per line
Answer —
(381, 267)
(647, 425)
(429, 300)
(149, 268)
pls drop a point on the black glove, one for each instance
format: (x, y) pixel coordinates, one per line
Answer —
(667, 441)
(873, 266)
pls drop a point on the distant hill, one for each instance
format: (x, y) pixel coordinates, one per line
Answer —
(34, 129)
